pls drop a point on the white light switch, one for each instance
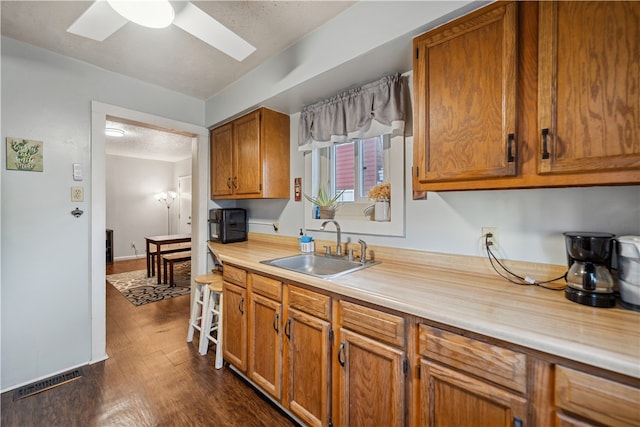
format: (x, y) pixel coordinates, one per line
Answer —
(77, 194)
(77, 172)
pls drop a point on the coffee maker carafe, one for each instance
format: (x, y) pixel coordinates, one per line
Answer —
(589, 280)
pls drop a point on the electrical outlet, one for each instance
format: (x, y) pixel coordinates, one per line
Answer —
(493, 240)
(77, 194)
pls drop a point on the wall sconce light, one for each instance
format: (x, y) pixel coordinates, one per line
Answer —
(167, 198)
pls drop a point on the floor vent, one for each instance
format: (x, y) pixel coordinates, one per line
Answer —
(49, 383)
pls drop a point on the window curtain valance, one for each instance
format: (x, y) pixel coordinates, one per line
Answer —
(376, 108)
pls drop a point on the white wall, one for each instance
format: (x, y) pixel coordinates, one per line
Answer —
(45, 283)
(132, 211)
(530, 222)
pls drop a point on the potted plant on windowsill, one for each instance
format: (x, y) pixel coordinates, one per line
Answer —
(326, 205)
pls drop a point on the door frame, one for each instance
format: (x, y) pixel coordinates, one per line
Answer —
(181, 180)
(199, 191)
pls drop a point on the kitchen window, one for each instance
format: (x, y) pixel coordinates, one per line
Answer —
(354, 141)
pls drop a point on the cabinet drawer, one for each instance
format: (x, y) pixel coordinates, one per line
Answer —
(373, 323)
(499, 365)
(270, 288)
(234, 275)
(599, 399)
(309, 302)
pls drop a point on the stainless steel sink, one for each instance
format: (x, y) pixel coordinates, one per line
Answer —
(318, 265)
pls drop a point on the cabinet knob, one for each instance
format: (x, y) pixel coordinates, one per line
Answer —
(229, 183)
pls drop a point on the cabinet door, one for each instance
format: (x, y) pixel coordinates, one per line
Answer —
(308, 369)
(247, 160)
(453, 399)
(235, 325)
(371, 382)
(221, 160)
(589, 90)
(265, 347)
(465, 98)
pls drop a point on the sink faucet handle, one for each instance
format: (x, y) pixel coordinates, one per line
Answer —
(327, 250)
(363, 251)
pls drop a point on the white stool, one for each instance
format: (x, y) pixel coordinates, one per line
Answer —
(206, 314)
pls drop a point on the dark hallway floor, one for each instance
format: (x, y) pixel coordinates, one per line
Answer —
(153, 377)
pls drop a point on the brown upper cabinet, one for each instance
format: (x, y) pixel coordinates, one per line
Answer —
(588, 86)
(250, 157)
(465, 93)
(529, 94)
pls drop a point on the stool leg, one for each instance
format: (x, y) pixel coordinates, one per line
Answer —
(207, 317)
(219, 361)
(195, 310)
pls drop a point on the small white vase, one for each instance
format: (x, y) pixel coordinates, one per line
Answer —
(382, 211)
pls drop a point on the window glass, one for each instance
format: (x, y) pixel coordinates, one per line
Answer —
(356, 167)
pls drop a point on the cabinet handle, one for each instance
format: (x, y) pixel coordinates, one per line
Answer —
(235, 182)
(240, 305)
(229, 183)
(341, 354)
(275, 323)
(510, 157)
(287, 328)
(545, 150)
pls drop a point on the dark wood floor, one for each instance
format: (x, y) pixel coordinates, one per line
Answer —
(153, 377)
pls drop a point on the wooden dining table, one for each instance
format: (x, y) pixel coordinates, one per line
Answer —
(160, 241)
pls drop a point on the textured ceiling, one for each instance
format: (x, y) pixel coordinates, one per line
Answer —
(170, 57)
(143, 142)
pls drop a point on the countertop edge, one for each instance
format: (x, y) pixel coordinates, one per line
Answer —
(576, 351)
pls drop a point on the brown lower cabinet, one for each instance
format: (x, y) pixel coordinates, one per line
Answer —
(332, 361)
(370, 363)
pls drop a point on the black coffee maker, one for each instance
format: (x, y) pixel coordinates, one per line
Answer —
(589, 279)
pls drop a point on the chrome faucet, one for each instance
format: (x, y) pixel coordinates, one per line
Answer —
(338, 235)
(363, 251)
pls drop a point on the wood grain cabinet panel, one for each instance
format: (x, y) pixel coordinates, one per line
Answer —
(603, 401)
(451, 398)
(234, 275)
(234, 337)
(491, 362)
(465, 98)
(250, 157)
(265, 345)
(376, 324)
(371, 388)
(308, 367)
(589, 90)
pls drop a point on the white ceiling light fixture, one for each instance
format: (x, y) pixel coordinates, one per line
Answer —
(148, 13)
(118, 133)
(101, 20)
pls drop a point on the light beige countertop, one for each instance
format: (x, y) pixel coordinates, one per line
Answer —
(471, 297)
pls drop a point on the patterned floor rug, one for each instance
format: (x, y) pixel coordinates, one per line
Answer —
(140, 289)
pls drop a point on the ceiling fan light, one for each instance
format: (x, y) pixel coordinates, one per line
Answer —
(148, 13)
(114, 132)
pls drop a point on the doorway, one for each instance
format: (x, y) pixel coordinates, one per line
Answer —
(200, 145)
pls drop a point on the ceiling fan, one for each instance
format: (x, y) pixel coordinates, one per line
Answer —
(105, 17)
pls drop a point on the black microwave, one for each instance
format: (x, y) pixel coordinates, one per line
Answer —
(227, 225)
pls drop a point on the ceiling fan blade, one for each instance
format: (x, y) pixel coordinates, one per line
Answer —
(98, 22)
(196, 22)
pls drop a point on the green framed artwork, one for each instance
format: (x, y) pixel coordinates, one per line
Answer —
(24, 155)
